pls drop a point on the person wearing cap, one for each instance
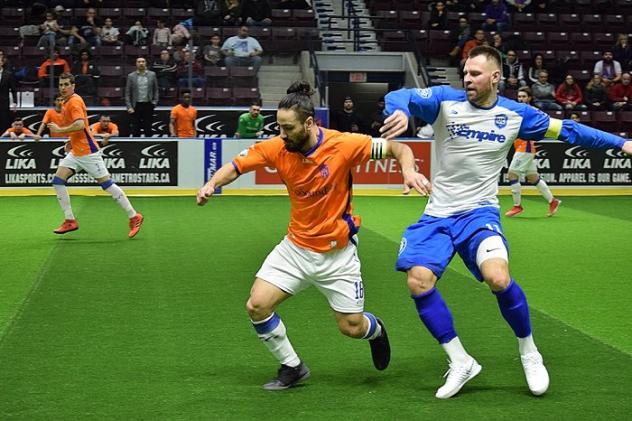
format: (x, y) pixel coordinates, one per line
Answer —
(347, 119)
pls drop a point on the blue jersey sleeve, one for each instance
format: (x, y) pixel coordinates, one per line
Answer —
(579, 134)
(423, 103)
(535, 123)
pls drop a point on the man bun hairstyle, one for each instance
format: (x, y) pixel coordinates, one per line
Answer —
(298, 98)
(489, 52)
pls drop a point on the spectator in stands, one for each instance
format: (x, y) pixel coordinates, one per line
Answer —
(608, 68)
(183, 116)
(438, 17)
(257, 12)
(181, 33)
(8, 93)
(109, 34)
(212, 52)
(165, 68)
(544, 93)
(250, 124)
(620, 94)
(519, 6)
(52, 115)
(55, 60)
(189, 66)
(537, 65)
(242, 50)
(162, 34)
(496, 17)
(499, 43)
(569, 94)
(622, 52)
(459, 36)
(513, 73)
(18, 131)
(86, 76)
(137, 34)
(347, 119)
(141, 96)
(479, 39)
(50, 29)
(232, 12)
(104, 129)
(596, 94)
(575, 117)
(377, 119)
(89, 28)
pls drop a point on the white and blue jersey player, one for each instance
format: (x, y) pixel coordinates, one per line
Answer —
(474, 130)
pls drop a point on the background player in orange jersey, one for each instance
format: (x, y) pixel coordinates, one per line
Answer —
(84, 155)
(104, 129)
(53, 115)
(17, 131)
(182, 118)
(523, 165)
(320, 247)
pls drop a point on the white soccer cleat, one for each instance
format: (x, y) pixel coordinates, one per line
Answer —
(535, 372)
(457, 375)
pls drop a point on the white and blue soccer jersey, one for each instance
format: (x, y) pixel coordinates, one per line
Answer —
(472, 142)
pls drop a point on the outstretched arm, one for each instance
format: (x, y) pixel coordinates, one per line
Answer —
(382, 148)
(225, 175)
(579, 134)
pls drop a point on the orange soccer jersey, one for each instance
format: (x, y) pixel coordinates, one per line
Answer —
(52, 116)
(319, 185)
(82, 141)
(527, 146)
(184, 120)
(97, 129)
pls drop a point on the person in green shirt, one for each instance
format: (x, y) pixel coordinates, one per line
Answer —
(250, 124)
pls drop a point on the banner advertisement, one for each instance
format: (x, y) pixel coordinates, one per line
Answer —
(562, 164)
(131, 163)
(385, 171)
(212, 159)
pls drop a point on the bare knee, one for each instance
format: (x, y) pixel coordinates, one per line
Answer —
(496, 274)
(420, 280)
(532, 178)
(353, 326)
(258, 309)
(512, 176)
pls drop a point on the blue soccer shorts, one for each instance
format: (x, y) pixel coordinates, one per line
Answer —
(433, 241)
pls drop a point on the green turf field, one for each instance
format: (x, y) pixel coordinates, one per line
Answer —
(96, 326)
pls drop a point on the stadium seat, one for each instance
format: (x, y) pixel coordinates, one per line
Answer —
(581, 76)
(408, 5)
(584, 116)
(410, 19)
(603, 40)
(605, 120)
(386, 19)
(12, 53)
(616, 23)
(547, 22)
(179, 14)
(523, 21)
(569, 22)
(113, 94)
(132, 52)
(302, 17)
(111, 76)
(199, 96)
(132, 14)
(583, 6)
(110, 12)
(589, 58)
(309, 37)
(376, 5)
(439, 43)
(476, 19)
(557, 40)
(205, 32)
(282, 17)
(592, 23)
(535, 40)
(8, 36)
(420, 38)
(12, 16)
(395, 41)
(571, 58)
(217, 77)
(581, 41)
(556, 114)
(33, 56)
(453, 18)
(525, 57)
(624, 7)
(169, 96)
(243, 76)
(108, 52)
(219, 96)
(243, 96)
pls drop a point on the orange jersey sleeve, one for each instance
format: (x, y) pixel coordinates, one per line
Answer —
(97, 129)
(527, 146)
(318, 184)
(52, 116)
(24, 130)
(82, 141)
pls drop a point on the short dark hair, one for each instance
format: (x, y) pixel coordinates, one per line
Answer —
(526, 90)
(185, 91)
(489, 52)
(18, 120)
(68, 76)
(298, 98)
(104, 116)
(256, 102)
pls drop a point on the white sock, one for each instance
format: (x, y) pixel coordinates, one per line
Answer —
(64, 200)
(526, 345)
(119, 195)
(378, 328)
(515, 193)
(455, 351)
(277, 342)
(544, 190)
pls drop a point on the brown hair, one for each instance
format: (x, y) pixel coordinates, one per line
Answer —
(489, 52)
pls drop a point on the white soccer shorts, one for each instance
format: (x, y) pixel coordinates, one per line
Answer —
(523, 163)
(92, 164)
(336, 274)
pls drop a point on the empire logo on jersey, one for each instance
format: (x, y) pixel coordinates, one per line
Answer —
(463, 130)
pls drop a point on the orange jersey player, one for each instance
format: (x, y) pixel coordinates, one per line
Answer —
(104, 129)
(52, 115)
(320, 248)
(17, 131)
(84, 155)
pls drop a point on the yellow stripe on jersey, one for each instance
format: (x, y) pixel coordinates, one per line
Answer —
(555, 128)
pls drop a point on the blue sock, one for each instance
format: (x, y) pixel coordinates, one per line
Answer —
(435, 314)
(514, 308)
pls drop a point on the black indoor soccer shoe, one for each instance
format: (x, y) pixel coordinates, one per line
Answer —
(287, 377)
(381, 349)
